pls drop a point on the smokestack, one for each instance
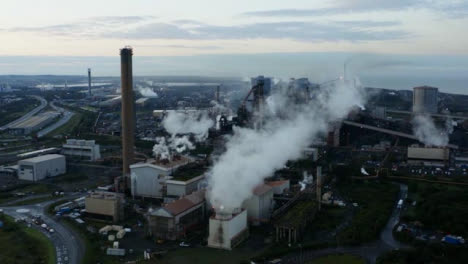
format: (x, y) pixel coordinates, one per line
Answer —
(319, 187)
(217, 94)
(128, 121)
(89, 81)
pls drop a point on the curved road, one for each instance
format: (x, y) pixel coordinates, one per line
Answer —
(66, 116)
(68, 246)
(28, 115)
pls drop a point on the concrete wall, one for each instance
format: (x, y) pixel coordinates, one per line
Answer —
(258, 207)
(428, 153)
(223, 231)
(37, 170)
(147, 181)
(181, 188)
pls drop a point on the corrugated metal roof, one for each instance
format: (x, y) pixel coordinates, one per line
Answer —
(44, 158)
(261, 189)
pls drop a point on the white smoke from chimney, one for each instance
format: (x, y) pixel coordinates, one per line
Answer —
(427, 132)
(252, 155)
(180, 125)
(147, 92)
(197, 124)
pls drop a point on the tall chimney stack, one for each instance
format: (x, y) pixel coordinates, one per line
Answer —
(128, 121)
(89, 81)
(319, 187)
(217, 94)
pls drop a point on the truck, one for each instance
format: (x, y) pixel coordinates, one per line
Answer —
(400, 204)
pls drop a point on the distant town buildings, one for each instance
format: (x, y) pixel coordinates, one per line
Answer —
(425, 99)
(82, 149)
(38, 168)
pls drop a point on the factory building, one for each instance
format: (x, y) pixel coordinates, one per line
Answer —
(33, 123)
(267, 83)
(180, 187)
(148, 179)
(227, 230)
(174, 219)
(279, 187)
(260, 204)
(425, 99)
(39, 152)
(105, 205)
(82, 149)
(418, 154)
(38, 168)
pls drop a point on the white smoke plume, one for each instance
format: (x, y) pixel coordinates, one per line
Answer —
(166, 148)
(427, 132)
(252, 155)
(161, 149)
(147, 92)
(179, 123)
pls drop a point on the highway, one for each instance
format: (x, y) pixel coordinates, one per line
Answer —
(66, 116)
(69, 248)
(28, 115)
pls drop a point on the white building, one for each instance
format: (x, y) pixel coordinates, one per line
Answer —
(178, 188)
(425, 99)
(148, 179)
(38, 168)
(228, 230)
(83, 149)
(260, 204)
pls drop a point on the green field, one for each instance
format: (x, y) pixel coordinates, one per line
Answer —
(23, 245)
(338, 259)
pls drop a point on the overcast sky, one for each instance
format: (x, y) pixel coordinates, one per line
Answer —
(164, 29)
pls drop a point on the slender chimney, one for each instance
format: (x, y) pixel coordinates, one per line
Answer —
(319, 187)
(89, 81)
(217, 94)
(128, 121)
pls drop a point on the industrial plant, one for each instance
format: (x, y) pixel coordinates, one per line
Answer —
(228, 164)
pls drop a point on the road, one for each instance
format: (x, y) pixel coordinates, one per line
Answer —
(29, 114)
(68, 246)
(66, 116)
(369, 251)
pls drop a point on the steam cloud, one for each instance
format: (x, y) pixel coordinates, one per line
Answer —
(180, 125)
(427, 132)
(147, 92)
(252, 155)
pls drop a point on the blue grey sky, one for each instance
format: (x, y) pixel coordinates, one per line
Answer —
(405, 38)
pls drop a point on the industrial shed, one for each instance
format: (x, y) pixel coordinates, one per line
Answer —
(173, 219)
(260, 204)
(38, 168)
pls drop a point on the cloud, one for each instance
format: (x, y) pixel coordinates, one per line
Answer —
(447, 7)
(206, 47)
(87, 27)
(302, 31)
(143, 27)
